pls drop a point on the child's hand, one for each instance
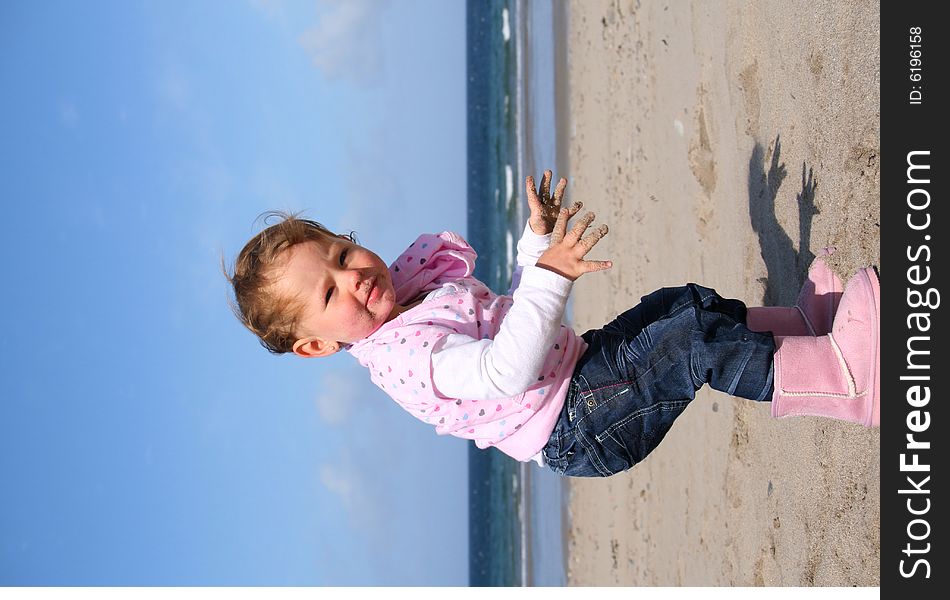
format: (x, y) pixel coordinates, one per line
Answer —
(544, 208)
(565, 255)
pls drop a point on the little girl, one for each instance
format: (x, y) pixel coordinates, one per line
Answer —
(504, 372)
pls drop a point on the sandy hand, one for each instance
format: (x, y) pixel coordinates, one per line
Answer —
(544, 207)
(565, 255)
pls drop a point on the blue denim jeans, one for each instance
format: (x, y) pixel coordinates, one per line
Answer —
(641, 370)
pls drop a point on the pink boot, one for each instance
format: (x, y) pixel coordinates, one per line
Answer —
(836, 375)
(813, 313)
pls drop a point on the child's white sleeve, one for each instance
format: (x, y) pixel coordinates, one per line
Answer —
(530, 248)
(463, 367)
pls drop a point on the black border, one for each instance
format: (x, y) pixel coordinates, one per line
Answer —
(907, 127)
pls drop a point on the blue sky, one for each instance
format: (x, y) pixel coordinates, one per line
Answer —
(145, 437)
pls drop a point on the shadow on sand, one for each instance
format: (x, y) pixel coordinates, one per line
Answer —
(786, 267)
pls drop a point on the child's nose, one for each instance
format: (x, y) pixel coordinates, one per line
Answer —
(358, 279)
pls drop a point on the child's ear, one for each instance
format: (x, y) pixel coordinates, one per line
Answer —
(315, 348)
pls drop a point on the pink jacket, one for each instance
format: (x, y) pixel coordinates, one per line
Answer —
(400, 354)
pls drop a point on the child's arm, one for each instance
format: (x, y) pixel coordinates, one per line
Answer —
(509, 364)
(530, 248)
(464, 367)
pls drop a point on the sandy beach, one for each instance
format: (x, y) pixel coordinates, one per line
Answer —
(725, 143)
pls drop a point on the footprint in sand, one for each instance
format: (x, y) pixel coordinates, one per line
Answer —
(749, 84)
(703, 166)
(701, 158)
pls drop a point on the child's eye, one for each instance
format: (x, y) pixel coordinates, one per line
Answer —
(342, 260)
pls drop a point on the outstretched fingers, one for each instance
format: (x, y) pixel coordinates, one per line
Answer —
(596, 265)
(545, 191)
(583, 245)
(574, 236)
(587, 243)
(533, 199)
(590, 240)
(543, 205)
(565, 255)
(559, 191)
(560, 227)
(563, 216)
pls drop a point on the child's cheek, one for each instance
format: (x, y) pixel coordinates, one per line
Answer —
(362, 322)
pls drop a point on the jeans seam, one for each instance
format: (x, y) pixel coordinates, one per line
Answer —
(620, 443)
(662, 405)
(768, 382)
(606, 387)
(621, 392)
(739, 372)
(576, 396)
(632, 381)
(696, 376)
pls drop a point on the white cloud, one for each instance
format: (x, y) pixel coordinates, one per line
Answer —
(345, 42)
(337, 395)
(338, 481)
(271, 8)
(173, 87)
(68, 113)
(358, 490)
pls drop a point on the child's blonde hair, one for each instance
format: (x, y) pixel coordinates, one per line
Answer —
(273, 319)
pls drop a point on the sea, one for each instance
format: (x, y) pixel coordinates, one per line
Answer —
(515, 59)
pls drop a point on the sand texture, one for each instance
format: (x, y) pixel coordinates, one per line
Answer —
(725, 143)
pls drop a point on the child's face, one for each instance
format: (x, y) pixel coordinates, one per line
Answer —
(346, 291)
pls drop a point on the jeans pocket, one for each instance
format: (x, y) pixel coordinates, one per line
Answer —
(559, 450)
(558, 465)
(596, 412)
(616, 456)
(574, 400)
